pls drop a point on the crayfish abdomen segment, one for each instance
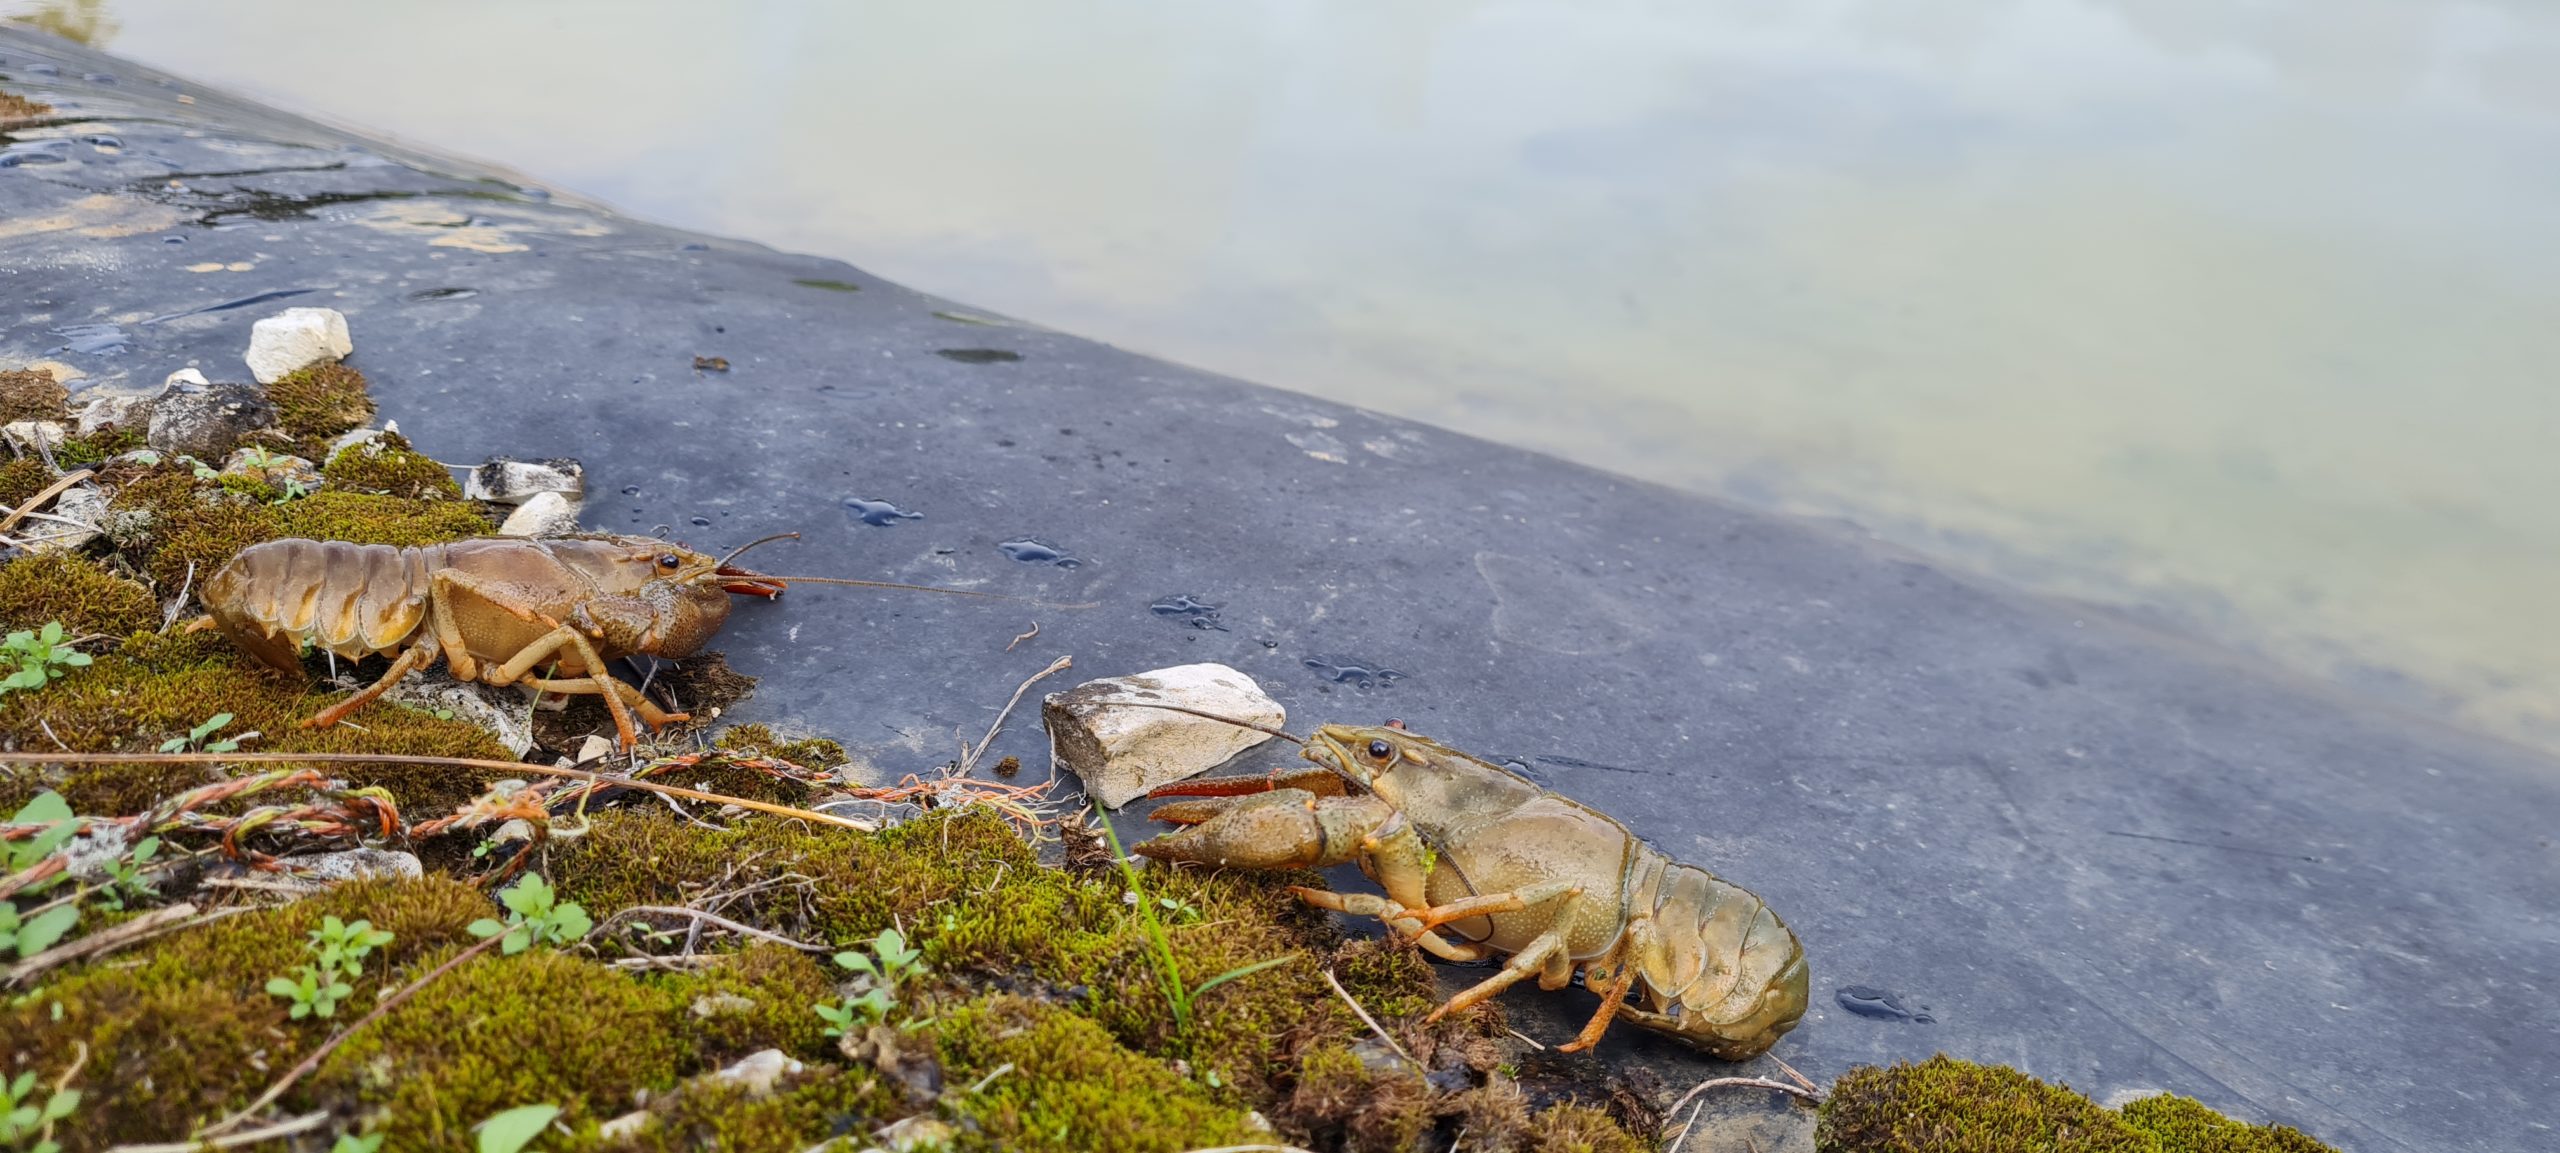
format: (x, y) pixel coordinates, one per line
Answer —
(277, 598)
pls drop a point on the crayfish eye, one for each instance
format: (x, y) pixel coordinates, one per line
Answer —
(1380, 750)
(670, 562)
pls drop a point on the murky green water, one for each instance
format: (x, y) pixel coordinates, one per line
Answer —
(2246, 314)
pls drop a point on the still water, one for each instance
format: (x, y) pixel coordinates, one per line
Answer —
(2248, 316)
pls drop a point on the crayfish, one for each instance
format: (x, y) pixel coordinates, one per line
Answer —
(1477, 860)
(548, 613)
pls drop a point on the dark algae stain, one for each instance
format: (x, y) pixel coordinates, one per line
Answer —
(978, 355)
(1881, 1005)
(829, 285)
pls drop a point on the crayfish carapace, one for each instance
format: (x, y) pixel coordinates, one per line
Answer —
(548, 613)
(1477, 860)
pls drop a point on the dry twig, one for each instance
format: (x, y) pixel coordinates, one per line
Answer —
(302, 1124)
(1368, 1020)
(969, 756)
(701, 917)
(106, 940)
(331, 1045)
(1751, 1082)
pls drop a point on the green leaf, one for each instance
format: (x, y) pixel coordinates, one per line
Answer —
(516, 1128)
(517, 940)
(485, 927)
(174, 745)
(142, 853)
(1241, 971)
(46, 928)
(570, 922)
(45, 806)
(52, 633)
(76, 660)
(283, 986)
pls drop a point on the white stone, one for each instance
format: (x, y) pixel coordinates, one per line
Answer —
(97, 410)
(547, 514)
(359, 865)
(504, 481)
(84, 503)
(627, 1126)
(758, 1071)
(184, 376)
(499, 710)
(594, 749)
(348, 440)
(295, 339)
(36, 436)
(1121, 752)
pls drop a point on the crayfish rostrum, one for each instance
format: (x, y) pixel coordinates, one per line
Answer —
(1477, 860)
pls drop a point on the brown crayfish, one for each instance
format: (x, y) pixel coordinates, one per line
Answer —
(548, 613)
(1477, 860)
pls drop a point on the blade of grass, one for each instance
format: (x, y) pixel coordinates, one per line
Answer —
(1169, 973)
(1239, 971)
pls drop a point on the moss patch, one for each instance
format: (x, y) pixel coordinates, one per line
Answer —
(1943, 1105)
(319, 402)
(387, 466)
(121, 703)
(27, 394)
(85, 598)
(1071, 1087)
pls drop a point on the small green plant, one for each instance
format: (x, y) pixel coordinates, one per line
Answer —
(36, 656)
(889, 964)
(27, 1115)
(258, 458)
(207, 472)
(357, 1143)
(516, 1128)
(313, 990)
(30, 934)
(338, 949)
(126, 875)
(291, 489)
(535, 915)
(195, 738)
(1182, 912)
(343, 946)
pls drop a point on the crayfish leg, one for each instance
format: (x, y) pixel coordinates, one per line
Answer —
(410, 660)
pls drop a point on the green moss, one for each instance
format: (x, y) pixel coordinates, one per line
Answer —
(1341, 1102)
(84, 451)
(31, 394)
(181, 1031)
(1948, 1106)
(248, 487)
(21, 479)
(1071, 1086)
(2184, 1125)
(1942, 1105)
(760, 999)
(365, 518)
(171, 524)
(806, 1111)
(321, 401)
(84, 597)
(504, 1031)
(759, 740)
(388, 466)
(1581, 1129)
(120, 703)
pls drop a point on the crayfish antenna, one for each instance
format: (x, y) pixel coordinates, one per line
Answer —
(1241, 724)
